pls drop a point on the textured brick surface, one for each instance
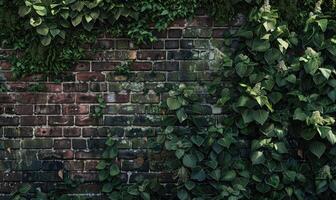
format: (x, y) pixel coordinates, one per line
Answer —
(42, 133)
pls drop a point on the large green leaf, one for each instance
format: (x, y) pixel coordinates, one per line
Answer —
(114, 170)
(260, 116)
(173, 103)
(257, 157)
(317, 148)
(189, 160)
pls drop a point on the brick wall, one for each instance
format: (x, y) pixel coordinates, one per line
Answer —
(45, 133)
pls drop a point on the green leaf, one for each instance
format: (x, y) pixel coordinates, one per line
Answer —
(114, 170)
(42, 30)
(181, 115)
(229, 175)
(35, 21)
(325, 72)
(76, 20)
(40, 10)
(299, 114)
(197, 140)
(317, 148)
(308, 134)
(326, 132)
(189, 185)
(173, 103)
(260, 45)
(273, 181)
(272, 56)
(323, 23)
(198, 174)
(24, 10)
(226, 141)
(280, 147)
(101, 165)
(260, 116)
(24, 188)
(45, 41)
(189, 160)
(182, 194)
(247, 116)
(257, 157)
(107, 188)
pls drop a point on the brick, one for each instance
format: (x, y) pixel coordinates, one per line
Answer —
(7, 98)
(158, 44)
(73, 165)
(219, 33)
(182, 55)
(172, 44)
(18, 132)
(86, 98)
(60, 120)
(65, 98)
(98, 87)
(24, 109)
(200, 22)
(48, 132)
(47, 109)
(75, 109)
(31, 98)
(82, 66)
(33, 120)
(53, 87)
(151, 55)
(37, 143)
(118, 120)
(75, 87)
(9, 144)
(62, 144)
(71, 132)
(79, 144)
(122, 44)
(175, 33)
(81, 155)
(90, 165)
(104, 44)
(166, 66)
(86, 120)
(187, 44)
(117, 98)
(141, 66)
(95, 144)
(90, 76)
(8, 121)
(145, 98)
(52, 165)
(104, 66)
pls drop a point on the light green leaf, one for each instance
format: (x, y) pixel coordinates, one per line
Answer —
(189, 160)
(257, 157)
(182, 194)
(24, 10)
(76, 20)
(173, 103)
(260, 116)
(42, 30)
(114, 170)
(317, 148)
(299, 114)
(260, 45)
(323, 23)
(35, 21)
(229, 175)
(40, 10)
(325, 72)
(46, 40)
(181, 115)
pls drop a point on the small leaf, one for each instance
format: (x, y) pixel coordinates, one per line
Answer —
(46, 40)
(317, 148)
(273, 181)
(229, 175)
(323, 23)
(114, 170)
(173, 103)
(189, 160)
(42, 30)
(24, 10)
(182, 194)
(260, 116)
(325, 72)
(101, 165)
(257, 157)
(181, 115)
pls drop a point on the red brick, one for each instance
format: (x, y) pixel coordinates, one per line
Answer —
(85, 120)
(62, 144)
(87, 155)
(75, 109)
(142, 66)
(7, 98)
(117, 98)
(54, 87)
(90, 165)
(60, 120)
(178, 23)
(151, 55)
(33, 120)
(61, 98)
(48, 132)
(31, 98)
(17, 87)
(82, 66)
(47, 109)
(71, 132)
(5, 65)
(24, 109)
(104, 66)
(200, 22)
(90, 76)
(72, 165)
(86, 98)
(75, 87)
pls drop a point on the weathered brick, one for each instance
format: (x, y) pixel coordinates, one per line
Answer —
(47, 109)
(61, 120)
(141, 66)
(37, 143)
(33, 120)
(18, 132)
(166, 66)
(86, 98)
(86, 120)
(75, 87)
(79, 144)
(24, 109)
(31, 98)
(7, 98)
(172, 44)
(175, 33)
(75, 109)
(118, 120)
(151, 55)
(71, 132)
(182, 55)
(90, 76)
(61, 98)
(48, 132)
(62, 144)
(145, 98)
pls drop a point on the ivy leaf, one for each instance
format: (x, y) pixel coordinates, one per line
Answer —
(326, 132)
(280, 147)
(76, 20)
(272, 56)
(107, 188)
(42, 30)
(182, 194)
(273, 181)
(308, 134)
(101, 165)
(229, 175)
(323, 23)
(247, 116)
(325, 72)
(198, 174)
(260, 116)
(189, 185)
(40, 10)
(226, 141)
(35, 21)
(173, 103)
(198, 140)
(317, 148)
(260, 45)
(189, 160)
(24, 188)
(257, 157)
(299, 114)
(24, 10)
(181, 115)
(46, 40)
(215, 174)
(114, 170)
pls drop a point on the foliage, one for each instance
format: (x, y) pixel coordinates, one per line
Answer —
(39, 28)
(123, 68)
(37, 87)
(98, 110)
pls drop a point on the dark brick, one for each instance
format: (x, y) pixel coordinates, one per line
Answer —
(7, 98)
(62, 144)
(104, 66)
(52, 165)
(75, 109)
(187, 44)
(18, 132)
(166, 66)
(60, 120)
(151, 55)
(75, 87)
(71, 132)
(172, 44)
(90, 76)
(24, 109)
(31, 98)
(79, 144)
(118, 120)
(47, 109)
(48, 132)
(86, 98)
(37, 143)
(61, 98)
(181, 55)
(175, 33)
